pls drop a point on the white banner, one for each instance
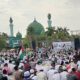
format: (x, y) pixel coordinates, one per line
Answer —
(63, 45)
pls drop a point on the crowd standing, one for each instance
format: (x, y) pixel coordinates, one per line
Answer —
(42, 64)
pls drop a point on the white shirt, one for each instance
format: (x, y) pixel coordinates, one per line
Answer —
(64, 75)
(57, 67)
(78, 63)
(6, 61)
(38, 67)
(50, 73)
(11, 66)
(56, 77)
(34, 78)
(42, 76)
(21, 65)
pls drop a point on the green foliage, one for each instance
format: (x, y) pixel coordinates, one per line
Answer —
(3, 38)
(62, 33)
(4, 35)
(26, 42)
(50, 31)
(41, 38)
(2, 43)
(19, 35)
(30, 30)
(59, 34)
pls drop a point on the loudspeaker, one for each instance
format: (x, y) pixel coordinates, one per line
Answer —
(33, 45)
(77, 43)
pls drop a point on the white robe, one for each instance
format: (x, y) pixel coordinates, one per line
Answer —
(42, 76)
(51, 73)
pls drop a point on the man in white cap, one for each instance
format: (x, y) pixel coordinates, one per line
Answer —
(33, 75)
(51, 72)
(64, 73)
(56, 76)
(27, 75)
(42, 75)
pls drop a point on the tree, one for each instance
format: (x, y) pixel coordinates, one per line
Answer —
(3, 39)
(50, 31)
(30, 34)
(30, 31)
(26, 42)
(4, 35)
(62, 33)
(42, 37)
(2, 43)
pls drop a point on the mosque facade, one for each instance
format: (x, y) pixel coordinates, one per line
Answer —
(38, 29)
(14, 41)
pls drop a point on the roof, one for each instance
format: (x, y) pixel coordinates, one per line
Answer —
(19, 35)
(37, 27)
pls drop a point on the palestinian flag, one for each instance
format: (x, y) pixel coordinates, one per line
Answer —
(22, 53)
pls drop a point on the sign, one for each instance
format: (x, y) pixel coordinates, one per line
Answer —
(63, 45)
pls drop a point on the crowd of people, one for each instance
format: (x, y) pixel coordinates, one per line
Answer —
(43, 64)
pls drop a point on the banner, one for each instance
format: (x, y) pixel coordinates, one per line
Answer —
(63, 45)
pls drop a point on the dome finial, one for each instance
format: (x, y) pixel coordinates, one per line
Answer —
(34, 18)
(19, 35)
(11, 20)
(49, 16)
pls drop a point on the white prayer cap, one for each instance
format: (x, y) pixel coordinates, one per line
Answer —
(27, 73)
(13, 62)
(64, 68)
(21, 61)
(72, 60)
(32, 71)
(25, 62)
(20, 70)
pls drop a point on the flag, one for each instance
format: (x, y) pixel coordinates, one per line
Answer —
(21, 49)
(22, 53)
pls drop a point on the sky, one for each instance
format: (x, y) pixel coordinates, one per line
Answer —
(65, 13)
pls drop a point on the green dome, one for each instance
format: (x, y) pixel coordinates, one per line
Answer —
(19, 35)
(37, 28)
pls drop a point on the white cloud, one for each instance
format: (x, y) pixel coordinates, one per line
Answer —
(23, 12)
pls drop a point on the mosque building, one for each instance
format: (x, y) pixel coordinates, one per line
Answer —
(14, 41)
(37, 27)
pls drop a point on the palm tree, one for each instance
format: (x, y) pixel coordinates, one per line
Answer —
(62, 33)
(3, 43)
(30, 31)
(50, 31)
(5, 35)
(30, 34)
